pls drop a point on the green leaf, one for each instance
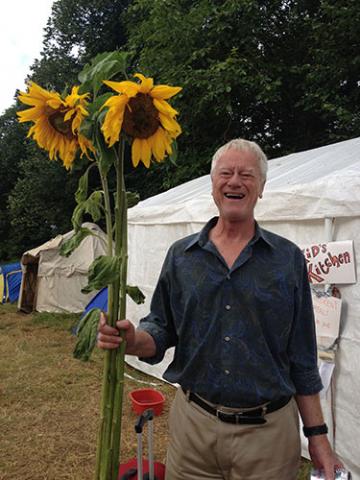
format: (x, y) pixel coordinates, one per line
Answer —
(103, 271)
(135, 294)
(93, 205)
(87, 333)
(103, 67)
(90, 122)
(77, 216)
(132, 199)
(107, 156)
(67, 247)
(174, 155)
(82, 191)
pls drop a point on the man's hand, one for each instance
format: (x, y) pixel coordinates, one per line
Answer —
(138, 342)
(322, 456)
(109, 337)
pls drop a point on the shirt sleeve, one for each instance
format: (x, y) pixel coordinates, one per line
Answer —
(159, 323)
(304, 370)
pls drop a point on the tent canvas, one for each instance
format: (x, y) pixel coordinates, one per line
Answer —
(53, 283)
(303, 190)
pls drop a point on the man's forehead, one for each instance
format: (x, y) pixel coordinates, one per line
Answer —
(235, 158)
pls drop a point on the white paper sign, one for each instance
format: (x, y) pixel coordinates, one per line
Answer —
(327, 312)
(331, 262)
(326, 370)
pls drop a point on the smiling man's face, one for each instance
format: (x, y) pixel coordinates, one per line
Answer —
(237, 184)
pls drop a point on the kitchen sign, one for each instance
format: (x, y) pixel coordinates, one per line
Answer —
(331, 262)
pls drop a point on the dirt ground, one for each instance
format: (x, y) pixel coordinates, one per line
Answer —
(49, 402)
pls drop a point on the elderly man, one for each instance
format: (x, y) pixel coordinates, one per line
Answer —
(235, 302)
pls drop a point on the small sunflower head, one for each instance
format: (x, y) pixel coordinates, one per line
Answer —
(141, 111)
(56, 122)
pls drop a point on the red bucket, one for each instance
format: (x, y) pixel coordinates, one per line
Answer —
(145, 398)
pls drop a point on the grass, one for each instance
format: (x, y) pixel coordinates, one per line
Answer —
(49, 402)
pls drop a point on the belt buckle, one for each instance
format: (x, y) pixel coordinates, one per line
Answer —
(237, 416)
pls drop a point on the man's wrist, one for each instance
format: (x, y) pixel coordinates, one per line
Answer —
(315, 430)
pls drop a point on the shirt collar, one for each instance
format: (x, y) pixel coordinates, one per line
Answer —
(202, 237)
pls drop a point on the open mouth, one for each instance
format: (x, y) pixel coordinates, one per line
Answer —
(234, 196)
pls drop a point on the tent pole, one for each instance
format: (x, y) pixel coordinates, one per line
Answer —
(329, 234)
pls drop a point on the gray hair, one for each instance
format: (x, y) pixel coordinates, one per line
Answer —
(240, 144)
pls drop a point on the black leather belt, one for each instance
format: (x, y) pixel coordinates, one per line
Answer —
(249, 417)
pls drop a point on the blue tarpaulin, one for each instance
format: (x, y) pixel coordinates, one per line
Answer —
(11, 281)
(99, 301)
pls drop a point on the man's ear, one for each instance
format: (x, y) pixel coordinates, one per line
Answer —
(262, 190)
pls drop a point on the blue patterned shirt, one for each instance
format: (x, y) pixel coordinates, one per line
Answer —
(243, 335)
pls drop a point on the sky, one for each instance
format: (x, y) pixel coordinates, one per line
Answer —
(21, 34)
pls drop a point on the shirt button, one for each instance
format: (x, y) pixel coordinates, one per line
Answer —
(227, 339)
(228, 307)
(228, 276)
(227, 372)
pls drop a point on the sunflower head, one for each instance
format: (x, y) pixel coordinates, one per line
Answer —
(56, 122)
(141, 111)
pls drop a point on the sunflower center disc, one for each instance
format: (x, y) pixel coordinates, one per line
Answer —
(141, 119)
(56, 120)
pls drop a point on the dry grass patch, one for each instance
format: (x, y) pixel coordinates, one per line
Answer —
(49, 402)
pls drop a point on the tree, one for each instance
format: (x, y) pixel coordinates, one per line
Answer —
(332, 80)
(11, 151)
(41, 202)
(250, 68)
(75, 32)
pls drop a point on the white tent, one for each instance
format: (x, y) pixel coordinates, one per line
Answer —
(311, 196)
(53, 283)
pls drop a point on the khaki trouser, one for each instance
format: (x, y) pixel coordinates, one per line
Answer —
(203, 447)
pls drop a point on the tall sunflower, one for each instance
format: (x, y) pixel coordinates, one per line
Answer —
(56, 122)
(141, 111)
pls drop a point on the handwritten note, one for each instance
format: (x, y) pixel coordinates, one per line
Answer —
(327, 311)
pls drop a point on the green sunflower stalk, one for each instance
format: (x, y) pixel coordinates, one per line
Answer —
(96, 125)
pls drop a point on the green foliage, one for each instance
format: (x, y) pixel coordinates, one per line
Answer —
(11, 153)
(75, 33)
(132, 199)
(103, 271)
(87, 332)
(67, 247)
(135, 294)
(103, 67)
(247, 68)
(40, 202)
(283, 73)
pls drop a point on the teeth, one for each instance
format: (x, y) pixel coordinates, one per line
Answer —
(234, 195)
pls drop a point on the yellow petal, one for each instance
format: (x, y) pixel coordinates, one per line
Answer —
(69, 114)
(146, 83)
(170, 125)
(145, 152)
(114, 118)
(128, 88)
(158, 144)
(55, 103)
(163, 92)
(136, 152)
(164, 107)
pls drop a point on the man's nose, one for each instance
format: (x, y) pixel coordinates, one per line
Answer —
(235, 179)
